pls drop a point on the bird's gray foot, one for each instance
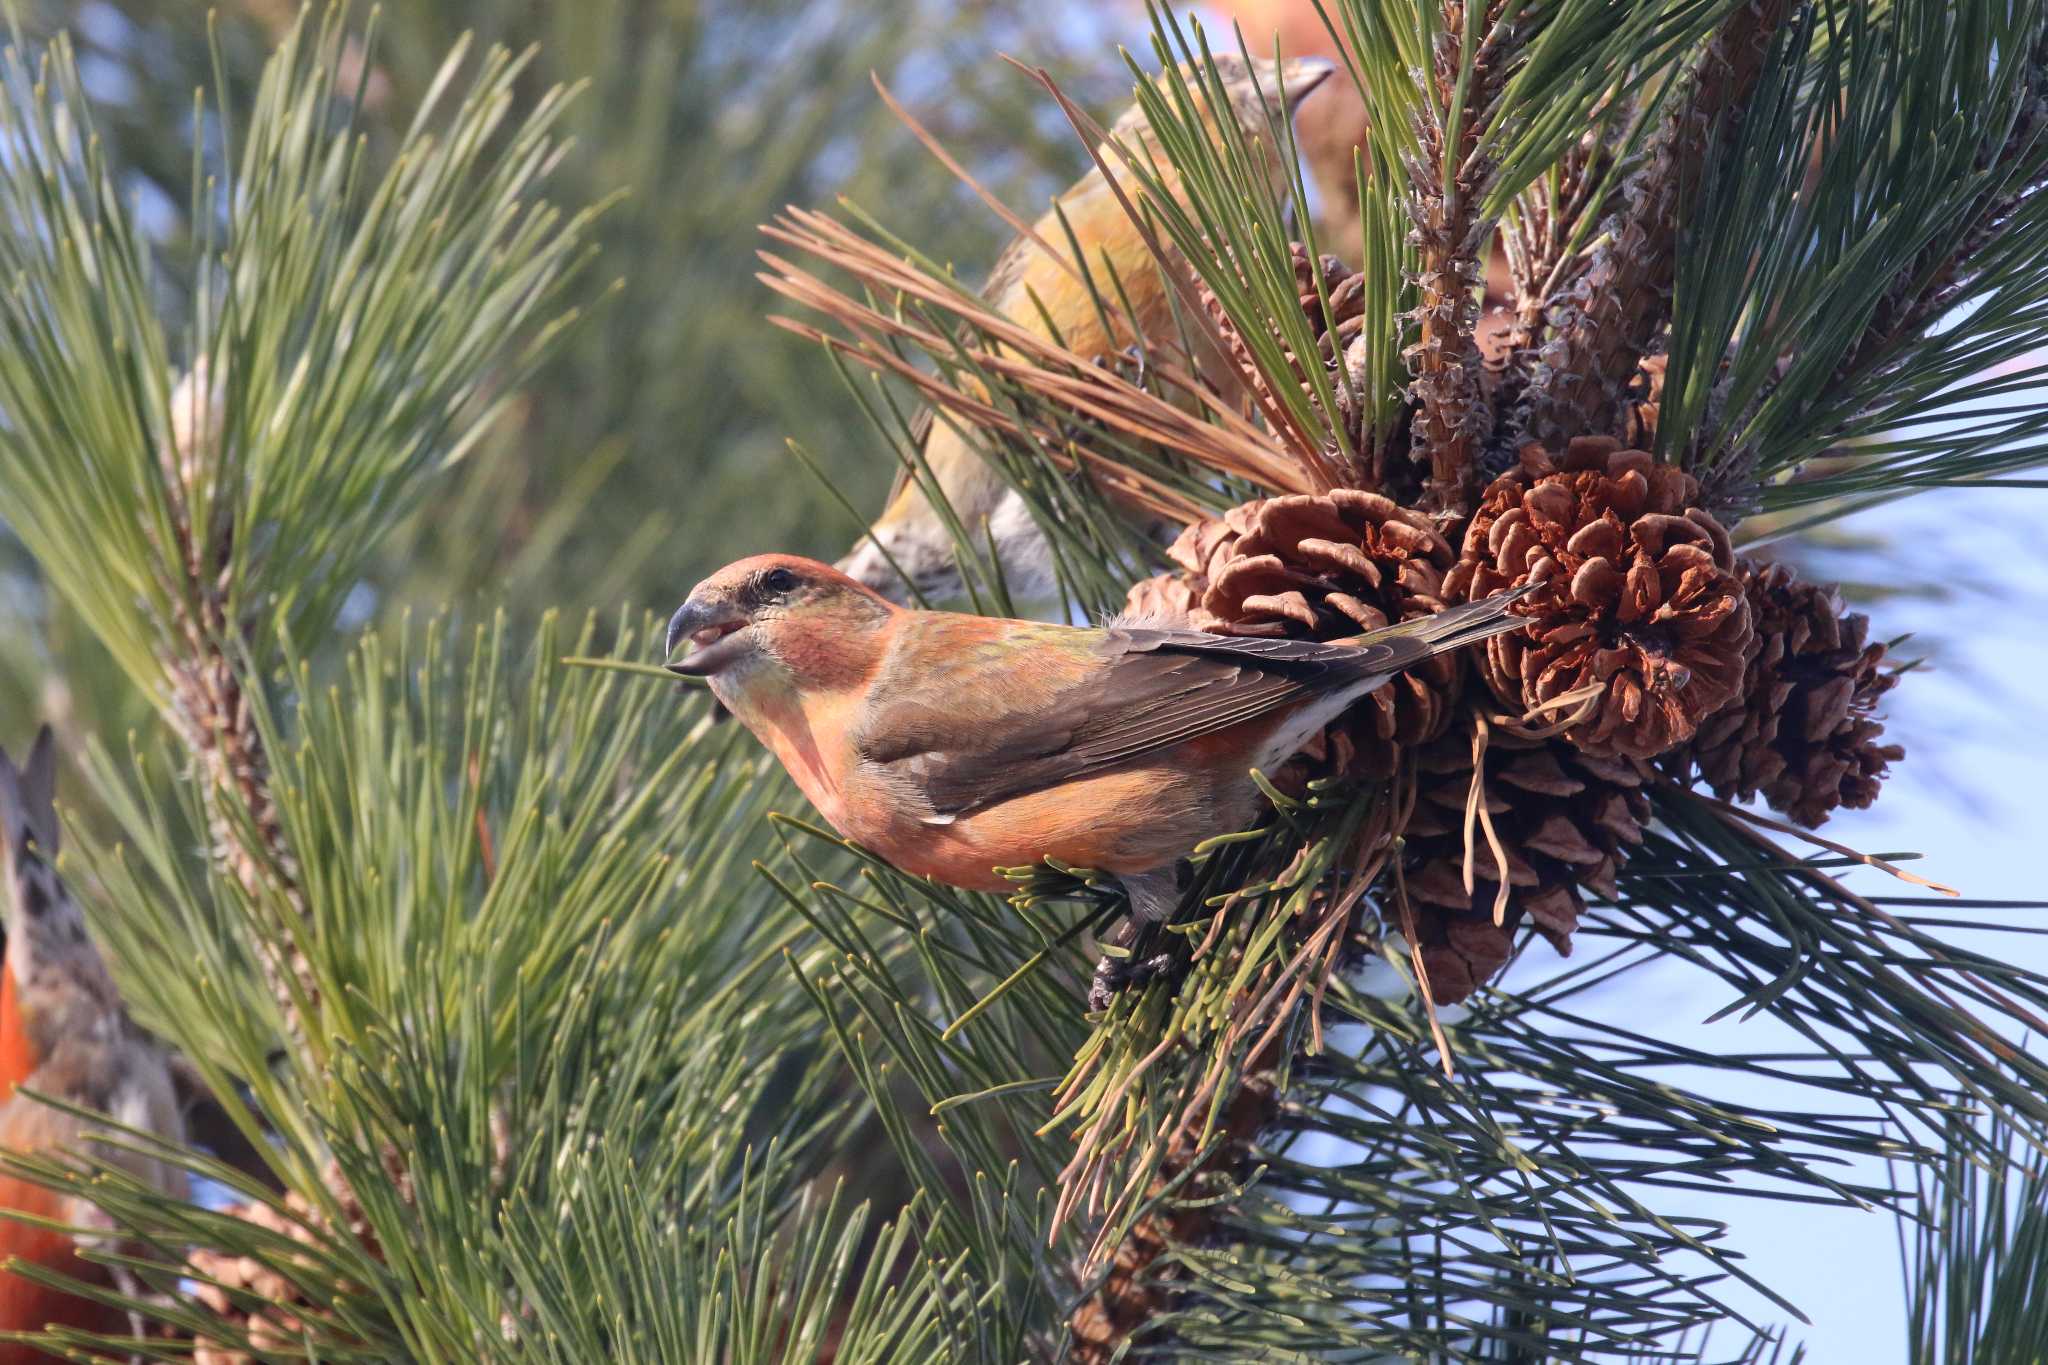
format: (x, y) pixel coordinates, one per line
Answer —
(1153, 896)
(1112, 974)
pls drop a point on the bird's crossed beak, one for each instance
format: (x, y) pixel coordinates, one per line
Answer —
(1300, 76)
(709, 632)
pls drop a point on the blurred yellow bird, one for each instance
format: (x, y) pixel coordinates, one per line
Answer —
(1035, 282)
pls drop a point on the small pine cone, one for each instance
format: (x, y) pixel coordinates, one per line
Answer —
(1640, 594)
(1334, 329)
(1566, 820)
(1802, 734)
(1325, 568)
(214, 1274)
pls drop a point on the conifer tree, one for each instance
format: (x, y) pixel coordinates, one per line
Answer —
(534, 1020)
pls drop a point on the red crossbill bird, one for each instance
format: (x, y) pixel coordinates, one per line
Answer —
(952, 745)
(1035, 283)
(63, 1033)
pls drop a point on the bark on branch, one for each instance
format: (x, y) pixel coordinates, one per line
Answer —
(208, 691)
(1620, 304)
(1453, 417)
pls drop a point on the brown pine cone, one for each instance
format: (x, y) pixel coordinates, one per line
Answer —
(1641, 595)
(1165, 599)
(1333, 328)
(1802, 733)
(1175, 597)
(1566, 820)
(1324, 568)
(214, 1274)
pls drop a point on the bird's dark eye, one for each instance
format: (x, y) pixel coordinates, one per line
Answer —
(778, 581)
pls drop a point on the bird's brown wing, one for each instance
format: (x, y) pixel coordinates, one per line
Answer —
(1092, 701)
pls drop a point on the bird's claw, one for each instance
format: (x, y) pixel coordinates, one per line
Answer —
(1112, 974)
(1132, 364)
(1140, 362)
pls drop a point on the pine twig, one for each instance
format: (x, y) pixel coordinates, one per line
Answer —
(1453, 418)
(1539, 244)
(1136, 1288)
(1620, 304)
(212, 708)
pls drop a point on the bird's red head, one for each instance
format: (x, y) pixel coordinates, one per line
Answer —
(779, 616)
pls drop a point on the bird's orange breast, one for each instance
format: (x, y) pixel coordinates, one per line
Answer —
(811, 738)
(17, 1053)
(26, 1306)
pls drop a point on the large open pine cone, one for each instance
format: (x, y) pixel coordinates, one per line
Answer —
(1323, 568)
(1641, 594)
(1566, 820)
(1802, 733)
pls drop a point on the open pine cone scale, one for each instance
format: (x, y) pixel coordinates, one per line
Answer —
(1639, 594)
(1325, 567)
(1648, 642)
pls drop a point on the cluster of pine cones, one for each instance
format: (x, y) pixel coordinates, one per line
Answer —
(1653, 652)
(246, 1295)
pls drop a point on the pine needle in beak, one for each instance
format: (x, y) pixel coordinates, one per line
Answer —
(622, 666)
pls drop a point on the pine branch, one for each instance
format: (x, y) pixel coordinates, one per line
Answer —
(531, 1027)
(214, 717)
(1616, 309)
(1976, 1267)
(1545, 235)
(1924, 290)
(1197, 1175)
(1449, 181)
(195, 525)
(1534, 244)
(1883, 187)
(203, 661)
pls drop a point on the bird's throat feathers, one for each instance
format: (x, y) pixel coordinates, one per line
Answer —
(799, 728)
(799, 692)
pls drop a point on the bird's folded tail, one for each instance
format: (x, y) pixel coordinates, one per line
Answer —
(1456, 627)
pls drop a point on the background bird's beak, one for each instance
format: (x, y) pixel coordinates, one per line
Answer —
(706, 633)
(1299, 77)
